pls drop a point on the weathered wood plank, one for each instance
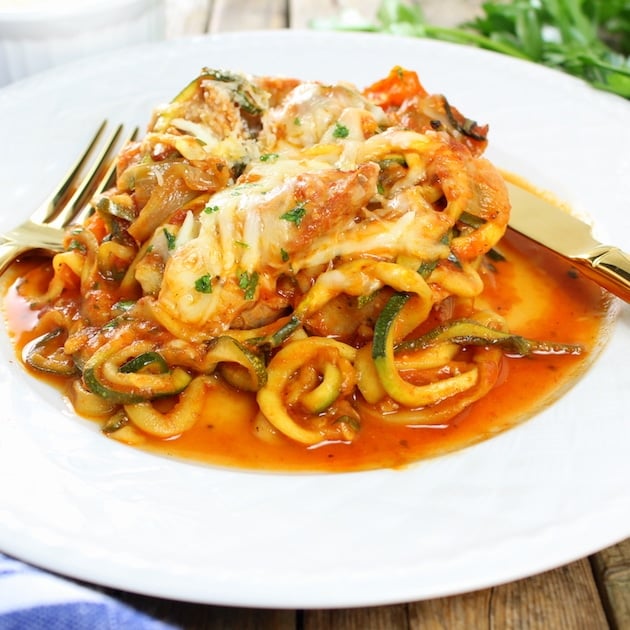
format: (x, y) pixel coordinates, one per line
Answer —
(187, 17)
(436, 12)
(566, 598)
(372, 618)
(245, 15)
(449, 13)
(612, 572)
(301, 12)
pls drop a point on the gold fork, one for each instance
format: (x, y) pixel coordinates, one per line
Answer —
(69, 202)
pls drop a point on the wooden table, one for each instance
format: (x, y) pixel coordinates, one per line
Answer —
(590, 594)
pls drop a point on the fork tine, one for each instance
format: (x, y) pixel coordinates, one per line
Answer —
(51, 205)
(85, 186)
(44, 229)
(82, 209)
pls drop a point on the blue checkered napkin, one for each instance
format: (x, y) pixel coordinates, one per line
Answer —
(31, 599)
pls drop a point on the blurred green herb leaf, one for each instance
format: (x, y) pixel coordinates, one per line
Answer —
(589, 39)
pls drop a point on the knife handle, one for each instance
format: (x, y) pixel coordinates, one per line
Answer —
(610, 267)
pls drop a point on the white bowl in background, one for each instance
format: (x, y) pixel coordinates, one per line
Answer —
(38, 34)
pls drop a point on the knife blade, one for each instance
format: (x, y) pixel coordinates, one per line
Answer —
(557, 230)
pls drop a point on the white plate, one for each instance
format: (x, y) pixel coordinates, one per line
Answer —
(545, 493)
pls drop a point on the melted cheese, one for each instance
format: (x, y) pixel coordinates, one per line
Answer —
(309, 196)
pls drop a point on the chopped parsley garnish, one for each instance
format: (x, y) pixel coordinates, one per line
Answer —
(241, 244)
(124, 305)
(340, 131)
(170, 239)
(76, 245)
(364, 300)
(269, 157)
(203, 284)
(297, 122)
(248, 283)
(284, 254)
(211, 209)
(295, 215)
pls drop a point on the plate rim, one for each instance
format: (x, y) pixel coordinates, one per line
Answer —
(138, 580)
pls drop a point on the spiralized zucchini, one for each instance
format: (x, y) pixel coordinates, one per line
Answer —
(308, 378)
(300, 243)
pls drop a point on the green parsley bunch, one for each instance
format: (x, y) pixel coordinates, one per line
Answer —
(589, 39)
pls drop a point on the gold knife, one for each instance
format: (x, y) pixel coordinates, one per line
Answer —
(556, 229)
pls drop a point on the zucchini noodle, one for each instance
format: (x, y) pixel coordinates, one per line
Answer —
(316, 248)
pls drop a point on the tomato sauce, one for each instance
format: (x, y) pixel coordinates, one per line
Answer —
(541, 297)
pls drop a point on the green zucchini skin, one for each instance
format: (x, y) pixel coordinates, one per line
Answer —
(139, 378)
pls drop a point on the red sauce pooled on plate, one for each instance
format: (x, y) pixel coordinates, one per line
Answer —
(540, 296)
